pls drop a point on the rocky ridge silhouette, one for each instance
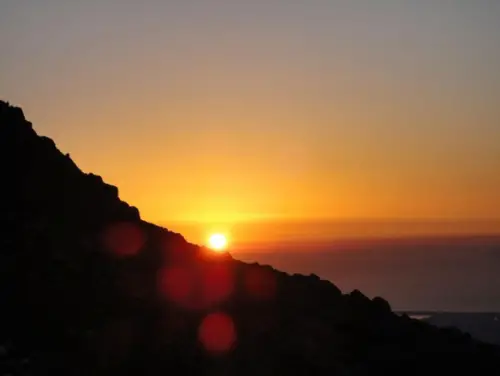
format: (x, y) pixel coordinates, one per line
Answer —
(88, 288)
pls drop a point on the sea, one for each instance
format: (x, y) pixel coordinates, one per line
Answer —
(444, 274)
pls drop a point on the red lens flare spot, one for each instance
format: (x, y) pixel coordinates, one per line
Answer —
(124, 239)
(217, 284)
(176, 284)
(260, 283)
(217, 333)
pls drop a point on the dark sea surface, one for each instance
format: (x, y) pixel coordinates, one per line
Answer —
(423, 274)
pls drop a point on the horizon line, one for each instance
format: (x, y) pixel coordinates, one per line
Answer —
(337, 220)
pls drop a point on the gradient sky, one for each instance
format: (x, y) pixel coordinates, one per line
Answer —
(228, 110)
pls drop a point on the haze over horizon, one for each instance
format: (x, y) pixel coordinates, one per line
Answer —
(237, 111)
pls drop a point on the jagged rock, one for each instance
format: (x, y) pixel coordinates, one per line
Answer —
(381, 304)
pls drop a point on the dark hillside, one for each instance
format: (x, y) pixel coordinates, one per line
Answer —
(88, 288)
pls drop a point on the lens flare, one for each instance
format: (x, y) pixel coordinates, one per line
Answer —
(217, 333)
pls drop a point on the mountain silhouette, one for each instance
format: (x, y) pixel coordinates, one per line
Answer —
(88, 288)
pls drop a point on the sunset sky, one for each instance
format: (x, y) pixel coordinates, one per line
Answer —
(228, 111)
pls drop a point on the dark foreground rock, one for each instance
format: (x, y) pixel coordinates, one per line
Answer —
(88, 288)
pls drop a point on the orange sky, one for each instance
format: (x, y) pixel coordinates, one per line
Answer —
(249, 110)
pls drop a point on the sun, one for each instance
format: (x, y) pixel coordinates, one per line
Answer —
(217, 242)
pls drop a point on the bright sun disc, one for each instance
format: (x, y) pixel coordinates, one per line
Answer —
(217, 242)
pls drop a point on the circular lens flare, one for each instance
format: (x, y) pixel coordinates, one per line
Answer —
(217, 242)
(217, 333)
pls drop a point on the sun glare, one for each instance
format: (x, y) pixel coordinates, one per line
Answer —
(217, 242)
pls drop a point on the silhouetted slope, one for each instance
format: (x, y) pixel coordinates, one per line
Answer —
(88, 288)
